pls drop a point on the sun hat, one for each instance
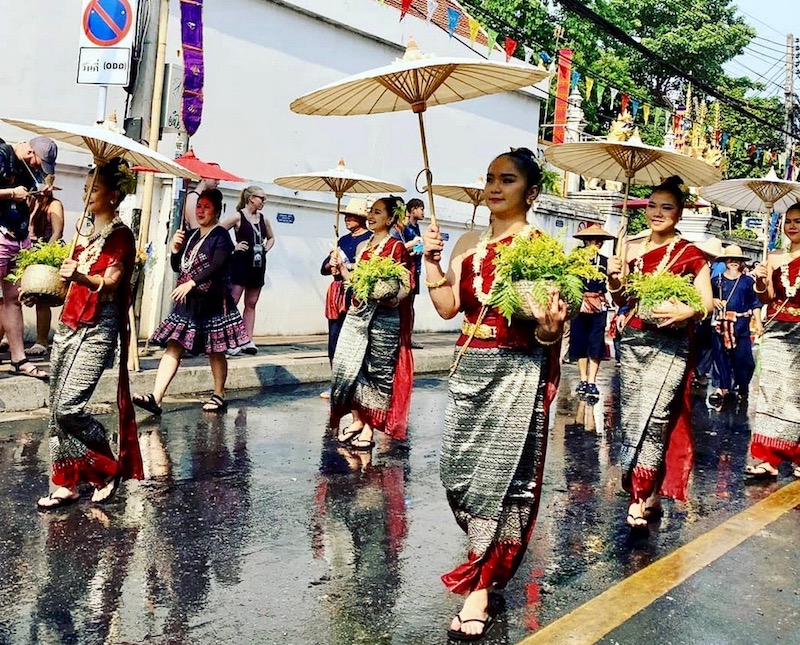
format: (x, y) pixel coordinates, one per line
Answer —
(358, 206)
(594, 231)
(733, 252)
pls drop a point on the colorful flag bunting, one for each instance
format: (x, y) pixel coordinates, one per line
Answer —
(634, 107)
(474, 28)
(588, 88)
(546, 58)
(432, 6)
(510, 47)
(528, 53)
(613, 98)
(492, 39)
(404, 8)
(453, 17)
(623, 104)
(576, 76)
(646, 111)
(601, 89)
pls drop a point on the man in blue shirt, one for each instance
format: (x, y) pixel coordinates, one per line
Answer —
(411, 236)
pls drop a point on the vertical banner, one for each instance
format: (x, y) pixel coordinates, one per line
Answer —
(563, 82)
(193, 70)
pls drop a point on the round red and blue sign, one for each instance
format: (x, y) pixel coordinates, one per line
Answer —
(107, 22)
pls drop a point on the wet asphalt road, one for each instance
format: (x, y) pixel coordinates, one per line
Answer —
(253, 527)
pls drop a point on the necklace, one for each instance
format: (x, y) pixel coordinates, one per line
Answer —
(94, 247)
(639, 264)
(378, 248)
(789, 289)
(188, 258)
(481, 251)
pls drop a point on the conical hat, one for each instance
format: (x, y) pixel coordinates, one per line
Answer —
(594, 231)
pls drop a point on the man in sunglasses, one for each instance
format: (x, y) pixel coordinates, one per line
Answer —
(18, 164)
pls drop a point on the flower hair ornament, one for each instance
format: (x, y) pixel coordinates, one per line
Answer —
(125, 178)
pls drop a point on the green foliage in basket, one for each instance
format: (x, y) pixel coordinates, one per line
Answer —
(368, 273)
(51, 254)
(651, 289)
(542, 259)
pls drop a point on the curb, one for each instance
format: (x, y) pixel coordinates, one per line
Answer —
(23, 394)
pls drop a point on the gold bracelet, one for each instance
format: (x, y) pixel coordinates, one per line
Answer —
(764, 290)
(100, 285)
(546, 342)
(437, 284)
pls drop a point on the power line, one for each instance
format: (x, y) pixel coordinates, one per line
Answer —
(761, 21)
(766, 48)
(767, 40)
(610, 28)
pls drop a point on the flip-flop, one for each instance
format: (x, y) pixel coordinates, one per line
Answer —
(147, 402)
(758, 471)
(346, 438)
(462, 637)
(61, 502)
(219, 404)
(367, 446)
(36, 349)
(114, 488)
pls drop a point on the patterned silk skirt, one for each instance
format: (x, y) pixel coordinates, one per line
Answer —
(79, 443)
(365, 363)
(197, 334)
(776, 433)
(493, 452)
(655, 412)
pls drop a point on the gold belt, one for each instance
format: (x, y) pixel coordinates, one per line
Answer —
(481, 332)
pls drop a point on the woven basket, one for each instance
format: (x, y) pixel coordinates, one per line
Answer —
(385, 289)
(43, 283)
(646, 315)
(524, 288)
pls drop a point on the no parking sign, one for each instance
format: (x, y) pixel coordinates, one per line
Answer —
(106, 39)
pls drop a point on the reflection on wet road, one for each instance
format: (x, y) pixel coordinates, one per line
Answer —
(254, 527)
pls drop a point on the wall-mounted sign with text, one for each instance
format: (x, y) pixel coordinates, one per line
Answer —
(285, 218)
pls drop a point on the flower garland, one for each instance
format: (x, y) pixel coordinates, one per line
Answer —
(94, 248)
(662, 266)
(789, 289)
(187, 260)
(481, 251)
(378, 249)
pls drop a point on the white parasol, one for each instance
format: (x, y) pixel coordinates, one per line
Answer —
(766, 194)
(467, 193)
(339, 180)
(415, 83)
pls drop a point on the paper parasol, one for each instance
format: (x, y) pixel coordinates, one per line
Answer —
(415, 83)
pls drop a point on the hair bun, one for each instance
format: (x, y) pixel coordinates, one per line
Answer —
(674, 180)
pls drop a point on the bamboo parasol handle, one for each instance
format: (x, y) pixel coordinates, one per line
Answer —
(427, 168)
(767, 221)
(622, 232)
(82, 218)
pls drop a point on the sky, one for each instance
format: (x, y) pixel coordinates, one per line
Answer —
(765, 57)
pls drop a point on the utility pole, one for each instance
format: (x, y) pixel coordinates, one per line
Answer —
(788, 88)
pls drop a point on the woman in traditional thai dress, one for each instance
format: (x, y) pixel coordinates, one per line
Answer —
(656, 453)
(205, 319)
(776, 431)
(503, 382)
(94, 316)
(373, 369)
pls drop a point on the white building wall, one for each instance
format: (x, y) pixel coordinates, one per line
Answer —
(259, 56)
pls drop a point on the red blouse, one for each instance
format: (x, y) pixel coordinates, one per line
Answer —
(686, 259)
(518, 334)
(82, 306)
(785, 309)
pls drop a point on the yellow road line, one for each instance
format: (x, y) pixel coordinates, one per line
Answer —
(593, 620)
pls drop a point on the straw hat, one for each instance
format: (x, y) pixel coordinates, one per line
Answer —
(594, 232)
(733, 252)
(712, 246)
(358, 206)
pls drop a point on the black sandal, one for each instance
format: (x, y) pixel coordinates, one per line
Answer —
(36, 373)
(147, 402)
(759, 471)
(462, 637)
(114, 483)
(60, 502)
(215, 403)
(364, 446)
(346, 437)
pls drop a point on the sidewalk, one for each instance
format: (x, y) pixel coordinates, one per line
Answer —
(281, 360)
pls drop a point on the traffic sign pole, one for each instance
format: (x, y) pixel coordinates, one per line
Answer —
(102, 101)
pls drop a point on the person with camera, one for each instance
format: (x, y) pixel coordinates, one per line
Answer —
(17, 182)
(254, 239)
